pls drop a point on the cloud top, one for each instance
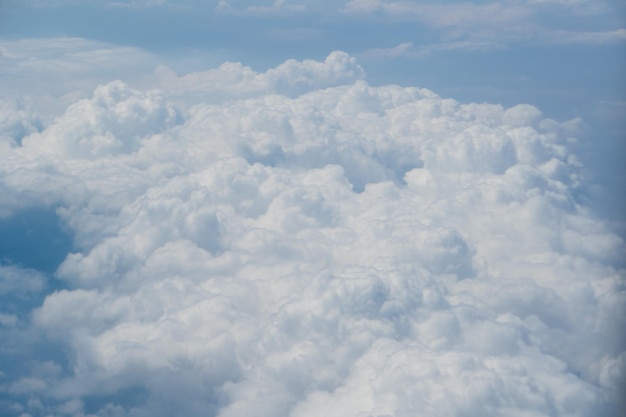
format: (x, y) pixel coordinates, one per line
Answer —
(297, 242)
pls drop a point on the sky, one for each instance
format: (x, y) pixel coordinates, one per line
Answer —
(302, 208)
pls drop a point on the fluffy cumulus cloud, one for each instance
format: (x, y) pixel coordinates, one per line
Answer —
(300, 243)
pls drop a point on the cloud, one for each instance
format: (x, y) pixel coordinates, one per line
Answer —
(15, 280)
(399, 50)
(48, 74)
(297, 242)
(447, 15)
(223, 7)
(66, 55)
(492, 23)
(408, 50)
(233, 80)
(279, 7)
(592, 38)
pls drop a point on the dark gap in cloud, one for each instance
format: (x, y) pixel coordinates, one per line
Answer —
(272, 156)
(32, 244)
(25, 352)
(34, 238)
(130, 396)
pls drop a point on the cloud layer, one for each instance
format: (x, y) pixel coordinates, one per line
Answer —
(300, 243)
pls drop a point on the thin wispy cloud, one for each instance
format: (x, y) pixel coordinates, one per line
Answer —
(492, 22)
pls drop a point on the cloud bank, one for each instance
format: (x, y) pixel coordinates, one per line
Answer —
(300, 243)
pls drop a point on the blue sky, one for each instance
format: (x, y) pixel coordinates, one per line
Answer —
(363, 208)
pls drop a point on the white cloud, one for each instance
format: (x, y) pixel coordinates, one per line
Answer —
(18, 281)
(232, 80)
(297, 242)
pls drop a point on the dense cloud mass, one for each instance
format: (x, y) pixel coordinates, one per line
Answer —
(300, 243)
